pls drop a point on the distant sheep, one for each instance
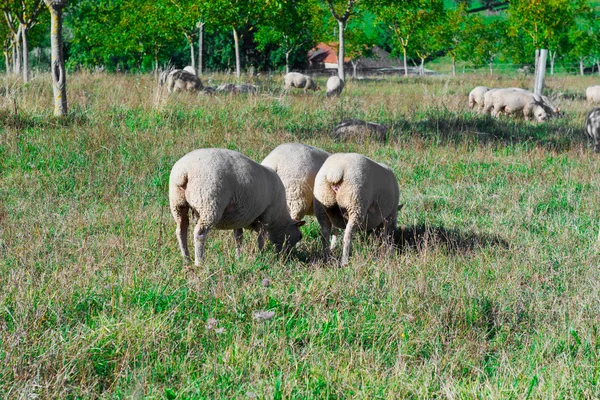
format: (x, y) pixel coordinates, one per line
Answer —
(191, 70)
(476, 97)
(358, 130)
(515, 102)
(592, 94)
(300, 81)
(233, 88)
(297, 166)
(335, 85)
(357, 193)
(180, 80)
(592, 127)
(227, 190)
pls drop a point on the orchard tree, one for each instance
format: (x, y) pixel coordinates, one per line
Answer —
(403, 19)
(59, 76)
(453, 32)
(428, 37)
(341, 10)
(482, 41)
(360, 39)
(583, 40)
(290, 24)
(6, 42)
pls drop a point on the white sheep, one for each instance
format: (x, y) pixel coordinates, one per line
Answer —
(300, 81)
(592, 127)
(335, 85)
(357, 193)
(592, 94)
(191, 70)
(297, 166)
(227, 190)
(515, 101)
(476, 97)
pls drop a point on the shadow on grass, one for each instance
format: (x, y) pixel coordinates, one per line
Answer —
(421, 236)
(16, 119)
(558, 134)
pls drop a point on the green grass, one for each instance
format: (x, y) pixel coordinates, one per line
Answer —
(497, 296)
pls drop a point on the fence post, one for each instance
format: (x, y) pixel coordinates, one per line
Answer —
(540, 72)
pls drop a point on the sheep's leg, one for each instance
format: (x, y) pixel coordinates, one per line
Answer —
(200, 233)
(334, 239)
(261, 239)
(238, 234)
(326, 227)
(350, 227)
(183, 221)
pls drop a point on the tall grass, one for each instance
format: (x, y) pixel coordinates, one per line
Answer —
(494, 294)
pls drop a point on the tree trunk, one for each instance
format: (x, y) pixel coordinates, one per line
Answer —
(156, 62)
(354, 67)
(14, 57)
(200, 46)
(552, 58)
(238, 64)
(422, 67)
(453, 66)
(287, 62)
(341, 26)
(25, 56)
(598, 65)
(491, 68)
(59, 76)
(581, 66)
(17, 59)
(192, 54)
(7, 61)
(405, 64)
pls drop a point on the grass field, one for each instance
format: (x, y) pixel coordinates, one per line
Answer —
(497, 298)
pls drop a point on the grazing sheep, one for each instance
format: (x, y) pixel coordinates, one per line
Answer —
(476, 97)
(357, 193)
(180, 80)
(297, 165)
(356, 129)
(300, 81)
(515, 102)
(592, 127)
(233, 88)
(191, 70)
(227, 190)
(335, 85)
(592, 94)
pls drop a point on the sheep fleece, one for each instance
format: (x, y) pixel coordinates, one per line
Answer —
(298, 80)
(476, 97)
(367, 190)
(297, 165)
(592, 94)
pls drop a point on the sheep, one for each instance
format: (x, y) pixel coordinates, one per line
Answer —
(592, 94)
(335, 85)
(191, 70)
(300, 81)
(357, 193)
(227, 190)
(592, 127)
(357, 130)
(233, 88)
(297, 165)
(476, 97)
(180, 80)
(515, 101)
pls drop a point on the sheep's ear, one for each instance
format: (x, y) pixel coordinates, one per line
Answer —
(299, 223)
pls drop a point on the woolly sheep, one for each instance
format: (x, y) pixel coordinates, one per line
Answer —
(335, 85)
(180, 80)
(233, 88)
(476, 97)
(357, 193)
(297, 165)
(191, 70)
(357, 130)
(592, 127)
(514, 102)
(227, 190)
(592, 94)
(300, 81)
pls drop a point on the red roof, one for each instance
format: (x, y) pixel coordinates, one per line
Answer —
(325, 53)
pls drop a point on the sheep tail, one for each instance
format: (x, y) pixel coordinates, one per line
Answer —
(335, 176)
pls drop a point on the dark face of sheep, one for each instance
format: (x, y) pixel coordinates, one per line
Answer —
(292, 236)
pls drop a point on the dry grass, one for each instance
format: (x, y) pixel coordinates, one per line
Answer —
(495, 295)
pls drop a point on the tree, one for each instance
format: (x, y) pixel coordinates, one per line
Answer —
(341, 10)
(403, 20)
(6, 42)
(362, 35)
(428, 37)
(452, 32)
(583, 40)
(482, 41)
(59, 75)
(542, 24)
(290, 24)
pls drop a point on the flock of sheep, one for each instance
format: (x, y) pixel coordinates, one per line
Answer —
(517, 102)
(225, 189)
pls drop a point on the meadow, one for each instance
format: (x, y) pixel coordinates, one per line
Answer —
(493, 291)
